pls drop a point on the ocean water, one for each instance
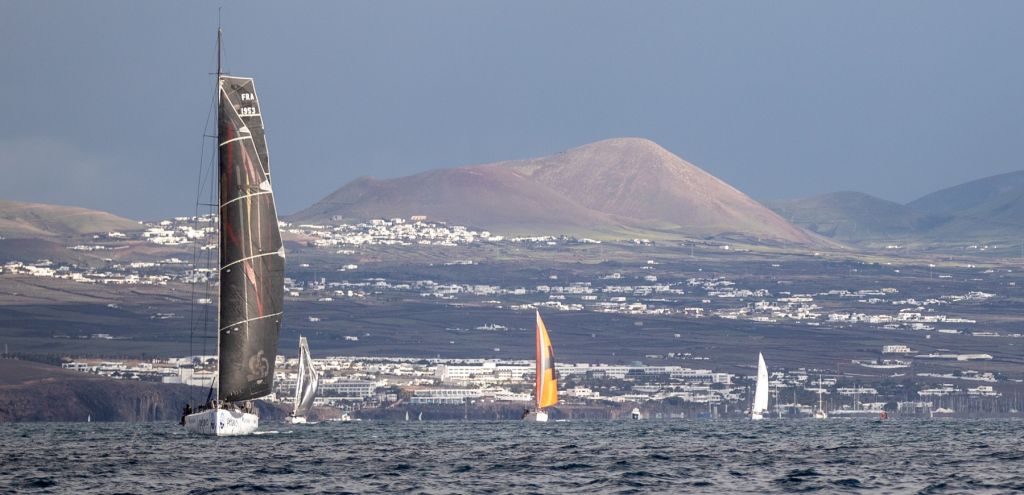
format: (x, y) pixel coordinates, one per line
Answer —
(897, 456)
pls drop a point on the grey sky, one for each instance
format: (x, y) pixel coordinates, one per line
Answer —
(104, 103)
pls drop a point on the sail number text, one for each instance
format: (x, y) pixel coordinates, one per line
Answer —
(247, 110)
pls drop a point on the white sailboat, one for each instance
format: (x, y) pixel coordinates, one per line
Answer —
(760, 405)
(820, 413)
(251, 266)
(306, 385)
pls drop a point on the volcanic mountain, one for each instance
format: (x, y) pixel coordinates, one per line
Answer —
(983, 210)
(855, 216)
(34, 220)
(991, 208)
(612, 188)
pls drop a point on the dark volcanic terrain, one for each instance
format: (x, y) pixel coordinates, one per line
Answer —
(31, 391)
(58, 317)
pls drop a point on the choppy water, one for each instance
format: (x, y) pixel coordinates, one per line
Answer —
(513, 457)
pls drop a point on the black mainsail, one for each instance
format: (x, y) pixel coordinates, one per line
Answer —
(251, 252)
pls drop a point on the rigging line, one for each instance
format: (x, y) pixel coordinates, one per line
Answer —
(195, 253)
(209, 177)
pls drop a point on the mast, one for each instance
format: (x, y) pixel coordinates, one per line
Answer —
(220, 34)
(819, 393)
(538, 386)
(220, 241)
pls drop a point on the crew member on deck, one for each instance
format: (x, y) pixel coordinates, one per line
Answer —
(185, 412)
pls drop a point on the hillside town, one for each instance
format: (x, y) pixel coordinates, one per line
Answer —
(647, 289)
(331, 273)
(365, 384)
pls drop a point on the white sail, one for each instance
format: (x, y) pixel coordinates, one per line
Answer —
(307, 383)
(761, 392)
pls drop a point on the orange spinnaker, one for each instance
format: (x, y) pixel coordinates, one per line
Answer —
(547, 378)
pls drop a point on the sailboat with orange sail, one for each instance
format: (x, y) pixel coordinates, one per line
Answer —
(547, 377)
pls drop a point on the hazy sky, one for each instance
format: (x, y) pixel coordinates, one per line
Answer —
(104, 104)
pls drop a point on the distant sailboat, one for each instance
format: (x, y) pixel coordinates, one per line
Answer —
(420, 417)
(251, 268)
(407, 415)
(547, 378)
(306, 384)
(820, 413)
(760, 405)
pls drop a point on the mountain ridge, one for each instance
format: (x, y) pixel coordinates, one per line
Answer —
(34, 220)
(855, 216)
(605, 188)
(982, 210)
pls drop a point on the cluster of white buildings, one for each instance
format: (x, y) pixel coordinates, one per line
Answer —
(353, 382)
(393, 232)
(347, 380)
(183, 230)
(118, 274)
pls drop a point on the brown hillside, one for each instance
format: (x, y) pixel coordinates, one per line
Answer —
(607, 188)
(24, 220)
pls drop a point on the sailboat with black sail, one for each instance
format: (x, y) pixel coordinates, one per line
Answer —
(306, 384)
(251, 267)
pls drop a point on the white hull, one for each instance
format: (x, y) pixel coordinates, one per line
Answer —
(222, 422)
(539, 416)
(821, 415)
(296, 420)
(756, 416)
